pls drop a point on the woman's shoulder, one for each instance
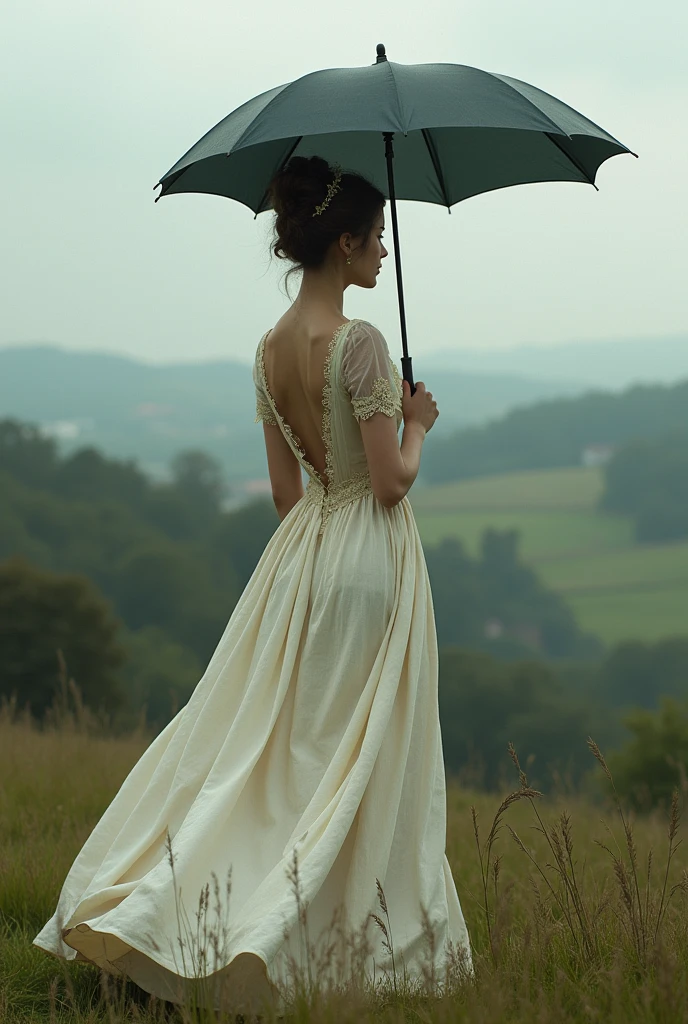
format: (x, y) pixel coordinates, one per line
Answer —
(365, 351)
(364, 333)
(366, 325)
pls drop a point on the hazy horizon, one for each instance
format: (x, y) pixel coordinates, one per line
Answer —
(453, 355)
(102, 101)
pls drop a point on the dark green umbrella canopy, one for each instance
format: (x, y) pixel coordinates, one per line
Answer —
(434, 133)
(458, 131)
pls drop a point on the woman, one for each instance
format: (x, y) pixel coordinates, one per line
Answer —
(308, 761)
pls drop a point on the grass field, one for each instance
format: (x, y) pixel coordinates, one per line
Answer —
(618, 589)
(568, 943)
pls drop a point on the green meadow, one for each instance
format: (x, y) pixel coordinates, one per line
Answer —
(577, 912)
(619, 589)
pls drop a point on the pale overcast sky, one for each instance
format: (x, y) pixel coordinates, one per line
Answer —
(100, 99)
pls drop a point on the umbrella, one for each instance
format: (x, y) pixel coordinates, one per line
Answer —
(450, 131)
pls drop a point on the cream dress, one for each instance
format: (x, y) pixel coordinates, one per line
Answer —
(314, 731)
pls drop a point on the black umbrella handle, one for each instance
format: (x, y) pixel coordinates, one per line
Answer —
(389, 158)
(407, 372)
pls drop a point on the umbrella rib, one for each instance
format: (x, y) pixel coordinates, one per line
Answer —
(390, 71)
(574, 160)
(284, 162)
(436, 164)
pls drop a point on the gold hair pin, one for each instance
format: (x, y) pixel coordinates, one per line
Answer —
(331, 189)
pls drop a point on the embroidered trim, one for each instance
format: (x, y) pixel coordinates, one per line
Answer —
(291, 436)
(326, 404)
(264, 413)
(325, 432)
(384, 398)
(337, 493)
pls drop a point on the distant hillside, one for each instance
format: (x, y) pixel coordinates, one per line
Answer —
(608, 364)
(554, 434)
(619, 589)
(129, 409)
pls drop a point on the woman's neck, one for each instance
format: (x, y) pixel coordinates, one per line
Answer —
(321, 292)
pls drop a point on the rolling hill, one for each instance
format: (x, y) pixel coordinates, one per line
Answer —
(130, 409)
(607, 363)
(618, 589)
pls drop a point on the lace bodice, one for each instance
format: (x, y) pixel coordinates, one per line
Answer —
(360, 380)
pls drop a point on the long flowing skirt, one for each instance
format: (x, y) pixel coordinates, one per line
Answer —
(311, 743)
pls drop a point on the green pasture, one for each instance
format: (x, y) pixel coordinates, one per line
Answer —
(579, 487)
(618, 589)
(532, 960)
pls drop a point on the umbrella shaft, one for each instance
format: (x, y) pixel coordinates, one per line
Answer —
(406, 359)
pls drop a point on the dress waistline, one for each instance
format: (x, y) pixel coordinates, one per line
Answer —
(338, 494)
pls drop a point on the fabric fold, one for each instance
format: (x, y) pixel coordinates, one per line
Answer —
(313, 734)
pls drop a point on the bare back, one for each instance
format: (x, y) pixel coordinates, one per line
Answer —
(295, 353)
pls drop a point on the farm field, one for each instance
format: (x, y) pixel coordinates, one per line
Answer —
(618, 589)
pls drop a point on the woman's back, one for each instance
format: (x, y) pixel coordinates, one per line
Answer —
(295, 356)
(328, 389)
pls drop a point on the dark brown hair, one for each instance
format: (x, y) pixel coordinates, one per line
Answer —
(295, 192)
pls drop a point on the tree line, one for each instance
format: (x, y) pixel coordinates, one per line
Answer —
(172, 564)
(553, 434)
(648, 480)
(133, 581)
(633, 700)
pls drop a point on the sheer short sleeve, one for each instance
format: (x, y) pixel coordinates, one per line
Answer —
(369, 374)
(264, 411)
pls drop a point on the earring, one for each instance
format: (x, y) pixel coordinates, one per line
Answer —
(348, 259)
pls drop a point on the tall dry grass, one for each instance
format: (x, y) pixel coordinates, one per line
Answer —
(577, 911)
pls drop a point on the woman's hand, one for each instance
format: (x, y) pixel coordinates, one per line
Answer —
(420, 407)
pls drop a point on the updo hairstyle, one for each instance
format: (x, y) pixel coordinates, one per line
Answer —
(294, 194)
